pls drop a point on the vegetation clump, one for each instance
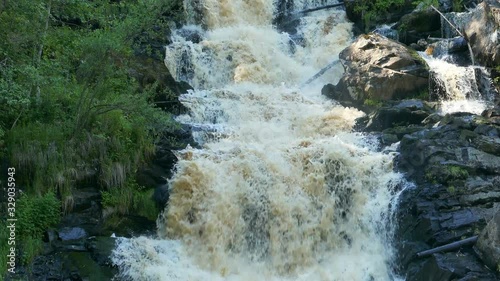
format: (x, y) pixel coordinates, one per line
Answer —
(446, 174)
(72, 106)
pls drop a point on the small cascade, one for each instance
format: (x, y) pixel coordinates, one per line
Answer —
(388, 31)
(460, 88)
(458, 20)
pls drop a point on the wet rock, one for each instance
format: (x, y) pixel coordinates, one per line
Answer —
(488, 244)
(80, 266)
(100, 249)
(453, 50)
(47, 268)
(85, 198)
(88, 219)
(443, 267)
(403, 114)
(395, 119)
(456, 171)
(482, 32)
(71, 233)
(50, 236)
(379, 69)
(393, 14)
(418, 25)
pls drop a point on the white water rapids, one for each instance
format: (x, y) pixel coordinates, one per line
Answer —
(281, 188)
(464, 88)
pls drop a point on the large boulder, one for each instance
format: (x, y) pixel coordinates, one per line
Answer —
(380, 69)
(482, 32)
(419, 24)
(488, 244)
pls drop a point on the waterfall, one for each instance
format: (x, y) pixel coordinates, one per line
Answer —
(280, 188)
(460, 88)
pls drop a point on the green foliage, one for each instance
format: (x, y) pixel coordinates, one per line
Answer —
(422, 95)
(458, 5)
(372, 10)
(451, 189)
(30, 248)
(372, 102)
(69, 104)
(427, 3)
(446, 174)
(4, 248)
(37, 213)
(457, 172)
(70, 107)
(131, 198)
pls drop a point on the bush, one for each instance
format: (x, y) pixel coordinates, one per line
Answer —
(35, 214)
(131, 198)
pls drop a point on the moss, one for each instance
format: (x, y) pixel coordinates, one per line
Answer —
(373, 102)
(414, 54)
(451, 189)
(457, 172)
(446, 174)
(422, 95)
(458, 6)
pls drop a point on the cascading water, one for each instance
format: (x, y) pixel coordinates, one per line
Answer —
(281, 188)
(460, 88)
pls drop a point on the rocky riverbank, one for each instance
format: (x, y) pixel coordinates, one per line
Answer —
(453, 160)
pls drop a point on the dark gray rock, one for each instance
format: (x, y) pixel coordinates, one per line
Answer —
(457, 173)
(71, 233)
(418, 25)
(488, 244)
(443, 267)
(100, 249)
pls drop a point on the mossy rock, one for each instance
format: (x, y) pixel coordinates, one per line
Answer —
(446, 174)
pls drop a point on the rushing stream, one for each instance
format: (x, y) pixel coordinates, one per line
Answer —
(281, 188)
(460, 88)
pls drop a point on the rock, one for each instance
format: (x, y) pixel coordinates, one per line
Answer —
(418, 25)
(49, 236)
(100, 249)
(482, 32)
(488, 244)
(395, 120)
(84, 198)
(392, 14)
(80, 266)
(379, 69)
(454, 50)
(71, 233)
(405, 113)
(47, 268)
(442, 267)
(456, 170)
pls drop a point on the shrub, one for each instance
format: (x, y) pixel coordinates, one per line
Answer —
(131, 198)
(35, 214)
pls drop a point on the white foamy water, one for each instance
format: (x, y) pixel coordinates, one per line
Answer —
(281, 188)
(462, 86)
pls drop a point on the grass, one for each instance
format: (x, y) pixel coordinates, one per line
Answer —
(131, 198)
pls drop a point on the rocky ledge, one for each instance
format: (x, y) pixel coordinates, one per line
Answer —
(452, 161)
(455, 165)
